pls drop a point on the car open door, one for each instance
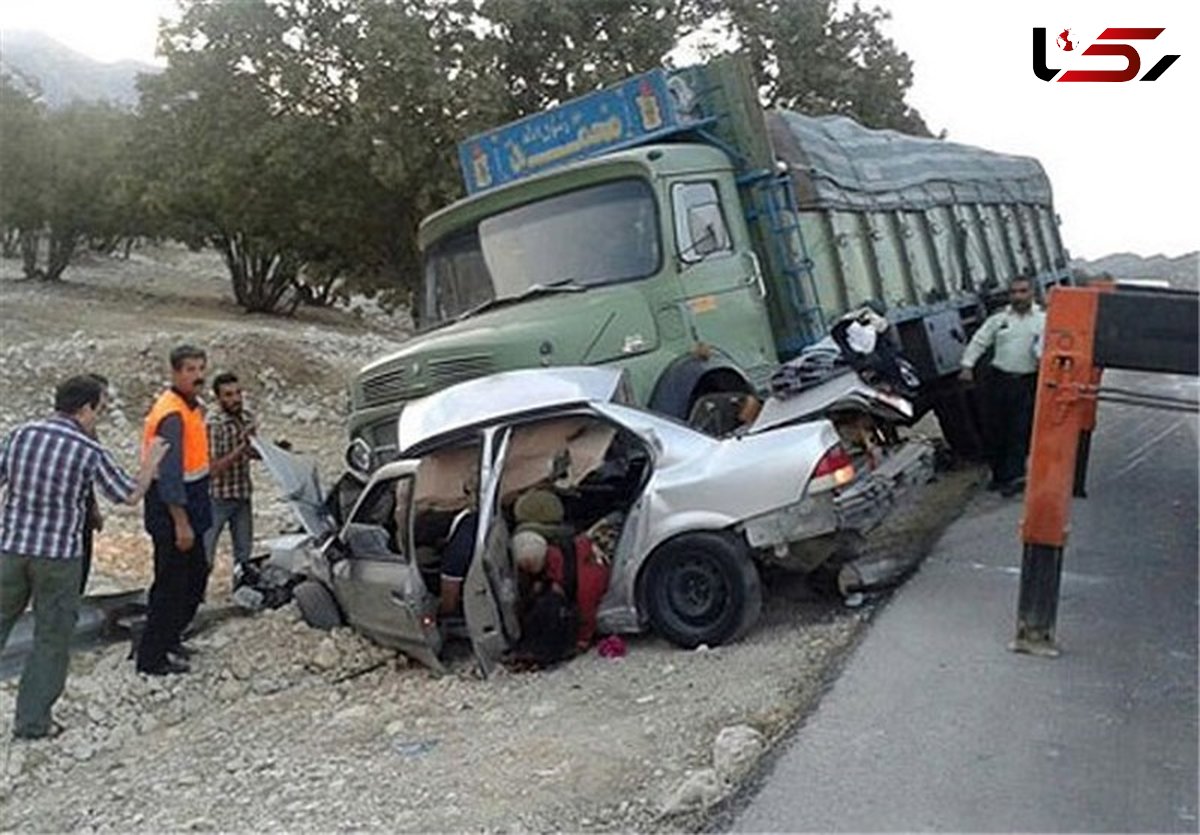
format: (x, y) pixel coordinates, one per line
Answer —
(376, 579)
(490, 588)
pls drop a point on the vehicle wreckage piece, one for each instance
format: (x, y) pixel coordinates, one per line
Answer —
(699, 512)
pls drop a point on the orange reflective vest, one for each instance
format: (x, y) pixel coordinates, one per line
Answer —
(195, 433)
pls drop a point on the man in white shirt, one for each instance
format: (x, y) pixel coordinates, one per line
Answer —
(1015, 334)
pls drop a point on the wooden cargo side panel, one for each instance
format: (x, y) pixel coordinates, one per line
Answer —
(922, 258)
(821, 241)
(856, 255)
(891, 255)
(949, 241)
(1003, 257)
(980, 258)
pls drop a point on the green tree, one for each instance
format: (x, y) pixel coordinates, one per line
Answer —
(24, 163)
(59, 171)
(812, 59)
(267, 137)
(546, 52)
(306, 139)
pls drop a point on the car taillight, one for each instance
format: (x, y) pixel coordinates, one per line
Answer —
(835, 469)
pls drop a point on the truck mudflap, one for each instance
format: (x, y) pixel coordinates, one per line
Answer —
(867, 502)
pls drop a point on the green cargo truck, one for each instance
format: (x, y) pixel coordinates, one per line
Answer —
(671, 225)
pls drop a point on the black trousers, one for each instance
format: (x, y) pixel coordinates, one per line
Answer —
(89, 545)
(1013, 397)
(176, 594)
(89, 540)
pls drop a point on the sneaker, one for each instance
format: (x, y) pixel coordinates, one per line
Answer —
(168, 667)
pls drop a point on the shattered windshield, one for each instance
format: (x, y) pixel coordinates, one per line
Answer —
(596, 235)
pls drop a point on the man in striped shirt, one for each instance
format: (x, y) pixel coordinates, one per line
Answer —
(48, 469)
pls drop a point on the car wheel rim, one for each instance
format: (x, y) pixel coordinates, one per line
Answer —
(697, 592)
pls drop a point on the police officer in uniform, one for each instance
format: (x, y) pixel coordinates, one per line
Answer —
(1016, 335)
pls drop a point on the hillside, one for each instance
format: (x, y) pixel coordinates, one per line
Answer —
(1182, 271)
(64, 75)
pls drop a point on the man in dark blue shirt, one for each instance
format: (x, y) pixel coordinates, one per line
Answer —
(178, 513)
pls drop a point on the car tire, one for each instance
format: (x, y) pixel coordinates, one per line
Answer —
(317, 606)
(702, 588)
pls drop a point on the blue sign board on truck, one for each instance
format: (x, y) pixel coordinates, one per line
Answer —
(637, 110)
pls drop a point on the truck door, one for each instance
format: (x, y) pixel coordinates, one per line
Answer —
(490, 588)
(723, 288)
(377, 582)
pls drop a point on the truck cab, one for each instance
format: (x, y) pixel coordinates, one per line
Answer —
(640, 257)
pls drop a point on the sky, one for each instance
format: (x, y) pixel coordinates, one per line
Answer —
(1122, 157)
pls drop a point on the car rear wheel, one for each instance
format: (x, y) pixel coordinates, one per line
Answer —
(702, 588)
(317, 606)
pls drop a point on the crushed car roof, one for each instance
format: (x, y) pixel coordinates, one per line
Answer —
(486, 399)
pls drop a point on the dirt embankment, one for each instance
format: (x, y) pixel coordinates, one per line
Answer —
(280, 727)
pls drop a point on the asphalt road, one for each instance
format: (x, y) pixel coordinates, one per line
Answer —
(935, 726)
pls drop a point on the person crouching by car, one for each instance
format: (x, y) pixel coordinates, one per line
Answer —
(569, 581)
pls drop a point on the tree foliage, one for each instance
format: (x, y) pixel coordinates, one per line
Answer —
(61, 172)
(812, 59)
(305, 139)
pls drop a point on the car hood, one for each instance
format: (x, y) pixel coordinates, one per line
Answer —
(489, 399)
(299, 484)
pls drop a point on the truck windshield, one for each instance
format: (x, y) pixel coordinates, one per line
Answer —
(592, 236)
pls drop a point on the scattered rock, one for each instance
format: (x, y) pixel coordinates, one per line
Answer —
(542, 709)
(350, 715)
(199, 825)
(698, 790)
(231, 690)
(736, 750)
(326, 656)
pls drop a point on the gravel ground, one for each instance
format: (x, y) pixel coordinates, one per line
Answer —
(280, 727)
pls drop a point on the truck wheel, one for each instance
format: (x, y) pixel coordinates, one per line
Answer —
(702, 588)
(716, 413)
(317, 606)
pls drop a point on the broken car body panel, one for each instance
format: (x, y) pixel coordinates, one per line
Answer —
(486, 400)
(754, 485)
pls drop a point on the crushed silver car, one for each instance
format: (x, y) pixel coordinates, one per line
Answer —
(698, 514)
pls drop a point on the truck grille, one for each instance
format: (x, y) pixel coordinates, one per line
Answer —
(386, 388)
(446, 372)
(399, 384)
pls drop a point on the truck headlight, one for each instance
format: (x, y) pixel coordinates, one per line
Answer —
(358, 456)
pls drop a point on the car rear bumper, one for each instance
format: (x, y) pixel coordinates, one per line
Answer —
(871, 498)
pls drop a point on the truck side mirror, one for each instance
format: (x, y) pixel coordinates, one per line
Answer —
(706, 228)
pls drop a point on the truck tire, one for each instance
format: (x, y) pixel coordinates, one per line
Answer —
(716, 413)
(702, 588)
(956, 412)
(317, 606)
